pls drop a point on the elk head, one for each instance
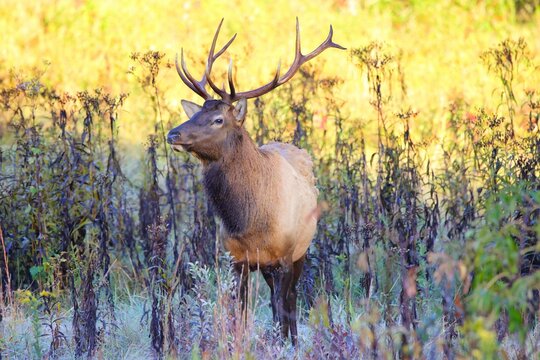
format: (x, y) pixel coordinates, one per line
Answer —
(211, 128)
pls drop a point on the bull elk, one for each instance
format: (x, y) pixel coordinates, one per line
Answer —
(265, 196)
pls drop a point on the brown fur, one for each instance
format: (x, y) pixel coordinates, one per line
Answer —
(240, 186)
(298, 158)
(245, 183)
(243, 188)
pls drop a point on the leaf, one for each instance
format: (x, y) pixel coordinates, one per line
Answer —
(515, 322)
(35, 271)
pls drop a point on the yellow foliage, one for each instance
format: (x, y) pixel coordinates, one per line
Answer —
(481, 338)
(45, 293)
(87, 44)
(25, 296)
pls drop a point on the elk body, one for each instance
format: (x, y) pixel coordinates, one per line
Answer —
(265, 196)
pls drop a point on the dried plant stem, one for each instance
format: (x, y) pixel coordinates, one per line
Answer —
(6, 264)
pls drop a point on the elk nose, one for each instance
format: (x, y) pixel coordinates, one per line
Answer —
(173, 137)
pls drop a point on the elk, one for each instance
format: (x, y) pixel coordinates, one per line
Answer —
(265, 196)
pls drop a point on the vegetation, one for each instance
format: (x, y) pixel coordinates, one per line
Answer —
(425, 138)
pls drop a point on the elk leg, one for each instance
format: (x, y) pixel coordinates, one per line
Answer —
(296, 272)
(242, 270)
(268, 274)
(284, 274)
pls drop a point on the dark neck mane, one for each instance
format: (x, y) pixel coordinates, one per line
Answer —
(238, 184)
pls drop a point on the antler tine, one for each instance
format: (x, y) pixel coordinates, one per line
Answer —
(199, 85)
(298, 61)
(276, 77)
(188, 79)
(181, 74)
(231, 84)
(211, 57)
(209, 64)
(328, 43)
(213, 46)
(298, 46)
(224, 48)
(221, 92)
(298, 57)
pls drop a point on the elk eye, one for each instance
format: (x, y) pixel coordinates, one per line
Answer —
(217, 121)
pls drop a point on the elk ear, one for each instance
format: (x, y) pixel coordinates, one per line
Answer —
(190, 108)
(240, 110)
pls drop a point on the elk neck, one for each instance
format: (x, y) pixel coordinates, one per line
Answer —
(239, 185)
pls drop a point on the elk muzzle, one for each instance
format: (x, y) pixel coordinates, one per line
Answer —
(177, 139)
(173, 137)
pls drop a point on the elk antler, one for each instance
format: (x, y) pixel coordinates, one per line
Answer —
(299, 60)
(200, 86)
